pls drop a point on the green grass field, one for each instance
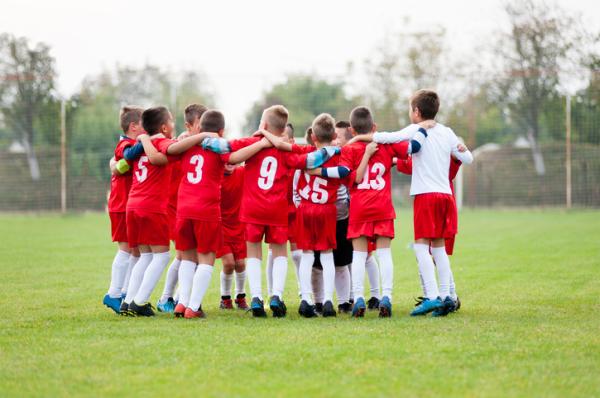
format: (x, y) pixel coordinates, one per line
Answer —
(530, 323)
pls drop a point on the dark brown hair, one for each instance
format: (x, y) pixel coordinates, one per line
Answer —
(130, 114)
(153, 118)
(212, 121)
(361, 120)
(427, 102)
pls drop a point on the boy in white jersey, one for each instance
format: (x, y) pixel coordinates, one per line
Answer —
(435, 216)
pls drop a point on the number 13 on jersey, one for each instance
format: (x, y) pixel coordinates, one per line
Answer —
(377, 183)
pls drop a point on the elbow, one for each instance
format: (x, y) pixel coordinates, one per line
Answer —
(415, 146)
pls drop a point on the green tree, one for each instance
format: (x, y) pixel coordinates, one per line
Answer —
(26, 93)
(305, 97)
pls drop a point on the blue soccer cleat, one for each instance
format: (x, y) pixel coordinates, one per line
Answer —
(257, 307)
(426, 306)
(168, 306)
(112, 303)
(358, 311)
(385, 307)
(278, 307)
(448, 306)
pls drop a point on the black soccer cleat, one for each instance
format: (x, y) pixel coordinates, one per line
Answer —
(278, 307)
(328, 309)
(124, 310)
(373, 304)
(306, 310)
(456, 304)
(345, 308)
(141, 310)
(319, 308)
(257, 307)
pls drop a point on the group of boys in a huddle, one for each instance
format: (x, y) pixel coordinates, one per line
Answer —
(331, 199)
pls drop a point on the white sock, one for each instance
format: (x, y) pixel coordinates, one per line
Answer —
(187, 269)
(151, 277)
(328, 276)
(296, 257)
(342, 284)
(226, 282)
(269, 273)
(240, 281)
(176, 295)
(373, 272)
(358, 274)
(137, 275)
(452, 286)
(442, 263)
(118, 272)
(254, 277)
(317, 284)
(171, 281)
(305, 272)
(280, 267)
(201, 282)
(426, 270)
(387, 271)
(132, 261)
(350, 272)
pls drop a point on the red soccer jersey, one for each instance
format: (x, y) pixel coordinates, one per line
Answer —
(150, 187)
(176, 175)
(232, 188)
(371, 199)
(120, 184)
(199, 195)
(320, 190)
(266, 183)
(299, 149)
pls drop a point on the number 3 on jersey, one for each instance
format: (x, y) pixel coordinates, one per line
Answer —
(142, 172)
(196, 176)
(268, 169)
(378, 183)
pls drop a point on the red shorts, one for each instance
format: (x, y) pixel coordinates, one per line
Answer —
(292, 226)
(235, 247)
(435, 216)
(204, 236)
(118, 226)
(172, 214)
(371, 229)
(273, 233)
(147, 228)
(316, 226)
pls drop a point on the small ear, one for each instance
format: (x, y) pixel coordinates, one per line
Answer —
(374, 128)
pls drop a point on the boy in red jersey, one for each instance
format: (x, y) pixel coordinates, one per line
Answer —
(192, 115)
(130, 121)
(233, 251)
(147, 221)
(316, 222)
(371, 210)
(199, 226)
(264, 207)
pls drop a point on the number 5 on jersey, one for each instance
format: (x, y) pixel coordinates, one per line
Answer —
(142, 172)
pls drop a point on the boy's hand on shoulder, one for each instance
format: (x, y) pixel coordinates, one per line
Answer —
(183, 136)
(142, 137)
(258, 133)
(462, 148)
(266, 143)
(313, 172)
(427, 124)
(157, 136)
(371, 148)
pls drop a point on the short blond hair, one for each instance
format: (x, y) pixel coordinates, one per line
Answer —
(276, 117)
(324, 127)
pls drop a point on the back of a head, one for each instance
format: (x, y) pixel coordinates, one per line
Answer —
(194, 111)
(289, 129)
(323, 128)
(308, 135)
(361, 120)
(428, 103)
(343, 130)
(212, 121)
(129, 114)
(153, 118)
(276, 117)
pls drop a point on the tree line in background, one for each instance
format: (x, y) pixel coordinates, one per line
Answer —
(514, 85)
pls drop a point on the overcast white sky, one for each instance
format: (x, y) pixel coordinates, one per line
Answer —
(243, 46)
